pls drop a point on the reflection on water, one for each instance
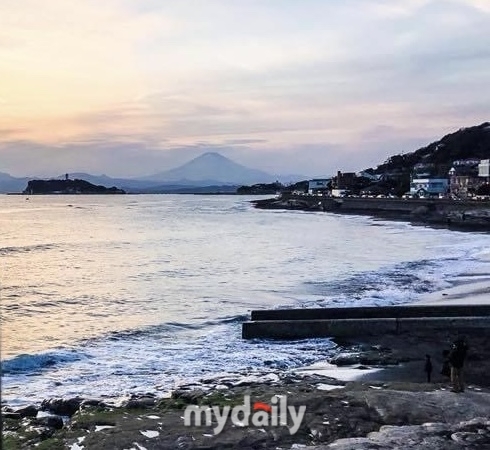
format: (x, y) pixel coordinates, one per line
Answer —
(78, 267)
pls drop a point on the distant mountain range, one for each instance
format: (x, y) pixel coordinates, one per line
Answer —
(212, 172)
(209, 172)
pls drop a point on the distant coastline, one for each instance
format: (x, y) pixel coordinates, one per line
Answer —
(67, 187)
(469, 215)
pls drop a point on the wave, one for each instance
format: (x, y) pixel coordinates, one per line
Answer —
(170, 328)
(26, 248)
(28, 363)
(402, 283)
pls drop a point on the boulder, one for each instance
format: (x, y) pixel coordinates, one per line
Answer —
(55, 422)
(62, 407)
(28, 411)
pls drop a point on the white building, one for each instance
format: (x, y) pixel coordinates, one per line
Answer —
(484, 168)
(429, 186)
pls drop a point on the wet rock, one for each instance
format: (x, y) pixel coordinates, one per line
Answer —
(62, 407)
(345, 359)
(139, 403)
(11, 415)
(55, 422)
(94, 402)
(28, 411)
(365, 358)
(190, 397)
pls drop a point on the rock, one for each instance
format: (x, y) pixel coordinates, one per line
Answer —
(138, 403)
(94, 402)
(253, 439)
(433, 436)
(11, 415)
(28, 411)
(190, 397)
(345, 359)
(184, 443)
(62, 407)
(365, 358)
(55, 422)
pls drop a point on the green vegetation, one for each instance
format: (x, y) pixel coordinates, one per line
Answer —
(466, 143)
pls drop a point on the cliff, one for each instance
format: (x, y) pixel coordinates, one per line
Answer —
(68, 187)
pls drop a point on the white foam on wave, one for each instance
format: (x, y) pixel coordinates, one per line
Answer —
(154, 363)
(160, 359)
(27, 363)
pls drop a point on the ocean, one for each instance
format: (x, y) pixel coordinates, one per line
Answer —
(105, 296)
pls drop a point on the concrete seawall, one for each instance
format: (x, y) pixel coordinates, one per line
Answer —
(358, 322)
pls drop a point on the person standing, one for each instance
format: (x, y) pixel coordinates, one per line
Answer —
(428, 367)
(457, 357)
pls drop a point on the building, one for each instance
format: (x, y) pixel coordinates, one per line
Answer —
(423, 187)
(463, 178)
(318, 186)
(344, 180)
(369, 176)
(484, 168)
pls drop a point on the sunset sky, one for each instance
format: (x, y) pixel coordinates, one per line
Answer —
(134, 87)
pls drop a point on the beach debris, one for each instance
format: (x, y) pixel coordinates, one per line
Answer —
(77, 445)
(328, 387)
(103, 427)
(150, 433)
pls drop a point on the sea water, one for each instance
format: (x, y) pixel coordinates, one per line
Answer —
(103, 296)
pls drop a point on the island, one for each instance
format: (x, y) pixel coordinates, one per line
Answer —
(67, 186)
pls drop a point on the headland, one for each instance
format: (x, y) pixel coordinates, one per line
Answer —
(67, 186)
(470, 215)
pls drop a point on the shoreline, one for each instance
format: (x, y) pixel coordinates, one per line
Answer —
(472, 216)
(368, 383)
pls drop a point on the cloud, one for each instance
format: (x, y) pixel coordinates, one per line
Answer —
(267, 81)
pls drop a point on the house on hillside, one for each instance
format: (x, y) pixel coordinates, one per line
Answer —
(368, 175)
(423, 170)
(464, 178)
(344, 180)
(343, 183)
(484, 169)
(319, 186)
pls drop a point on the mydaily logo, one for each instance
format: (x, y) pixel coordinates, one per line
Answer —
(277, 413)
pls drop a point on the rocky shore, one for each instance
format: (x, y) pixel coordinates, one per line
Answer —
(454, 214)
(390, 408)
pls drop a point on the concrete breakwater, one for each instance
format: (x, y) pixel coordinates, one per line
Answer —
(365, 321)
(473, 215)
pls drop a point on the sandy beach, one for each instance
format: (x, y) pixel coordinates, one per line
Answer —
(470, 289)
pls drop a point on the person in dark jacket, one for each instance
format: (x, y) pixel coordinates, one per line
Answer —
(457, 357)
(428, 367)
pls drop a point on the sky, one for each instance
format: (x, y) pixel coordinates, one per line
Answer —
(135, 87)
